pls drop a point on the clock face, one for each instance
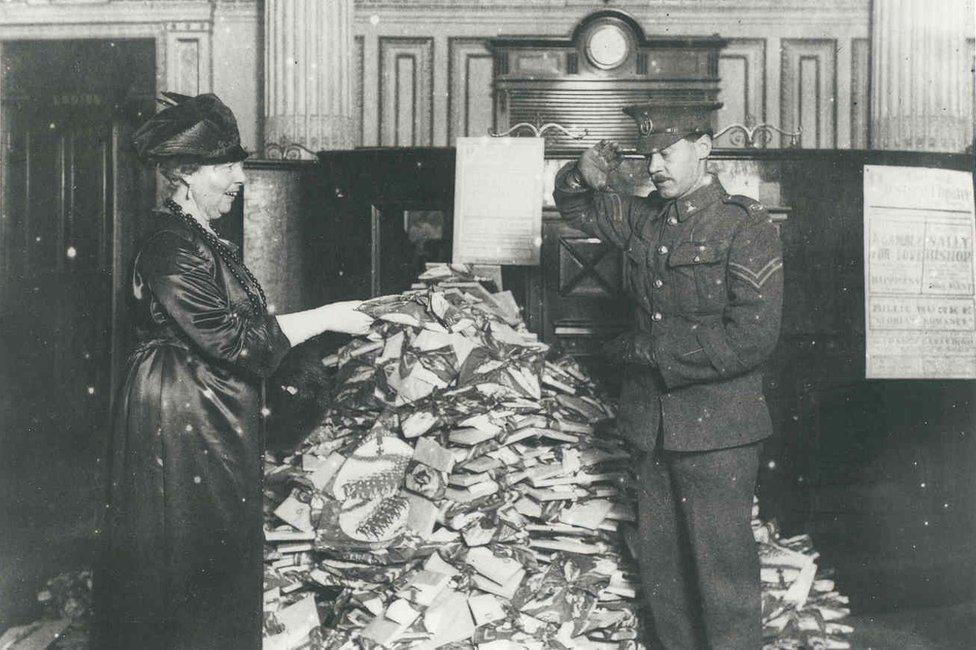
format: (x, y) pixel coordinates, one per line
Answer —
(607, 46)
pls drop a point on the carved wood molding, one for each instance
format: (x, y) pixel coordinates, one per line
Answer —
(406, 116)
(462, 53)
(627, 5)
(743, 97)
(809, 72)
(42, 16)
(237, 9)
(181, 29)
(544, 17)
(860, 93)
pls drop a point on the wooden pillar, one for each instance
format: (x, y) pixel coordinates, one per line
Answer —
(919, 96)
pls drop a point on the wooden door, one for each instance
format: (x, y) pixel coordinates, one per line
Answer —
(70, 195)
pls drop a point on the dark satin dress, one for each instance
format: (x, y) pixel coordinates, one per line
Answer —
(182, 563)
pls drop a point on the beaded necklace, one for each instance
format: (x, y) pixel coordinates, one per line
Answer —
(230, 257)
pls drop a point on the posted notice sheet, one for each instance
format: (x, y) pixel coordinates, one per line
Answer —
(919, 273)
(498, 200)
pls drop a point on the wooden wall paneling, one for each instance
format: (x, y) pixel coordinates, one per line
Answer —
(12, 174)
(405, 100)
(406, 78)
(359, 81)
(843, 64)
(971, 90)
(188, 58)
(371, 90)
(470, 88)
(808, 90)
(45, 210)
(774, 75)
(742, 69)
(238, 65)
(588, 268)
(860, 93)
(440, 104)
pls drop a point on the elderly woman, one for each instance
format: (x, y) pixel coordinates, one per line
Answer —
(182, 562)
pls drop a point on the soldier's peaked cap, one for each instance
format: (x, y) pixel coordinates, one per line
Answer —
(662, 123)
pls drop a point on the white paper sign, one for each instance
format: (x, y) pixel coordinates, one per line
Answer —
(919, 298)
(498, 201)
(740, 177)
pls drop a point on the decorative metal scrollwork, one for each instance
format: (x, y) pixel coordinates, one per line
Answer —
(539, 130)
(288, 151)
(757, 136)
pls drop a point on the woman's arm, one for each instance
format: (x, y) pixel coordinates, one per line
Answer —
(181, 275)
(339, 317)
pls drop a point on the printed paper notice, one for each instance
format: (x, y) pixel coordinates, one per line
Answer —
(498, 201)
(919, 299)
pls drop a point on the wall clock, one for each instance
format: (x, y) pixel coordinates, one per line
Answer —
(607, 46)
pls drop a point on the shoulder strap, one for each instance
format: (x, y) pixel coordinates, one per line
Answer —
(753, 208)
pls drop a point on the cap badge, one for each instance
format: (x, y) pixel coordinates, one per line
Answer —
(645, 124)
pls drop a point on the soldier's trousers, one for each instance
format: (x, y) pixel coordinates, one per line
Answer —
(698, 559)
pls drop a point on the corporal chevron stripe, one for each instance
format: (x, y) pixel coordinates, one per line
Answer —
(756, 279)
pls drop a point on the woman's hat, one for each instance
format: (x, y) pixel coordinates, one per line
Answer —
(199, 129)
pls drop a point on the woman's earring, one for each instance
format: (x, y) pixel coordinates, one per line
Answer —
(187, 186)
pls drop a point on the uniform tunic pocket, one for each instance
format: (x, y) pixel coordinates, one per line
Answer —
(698, 273)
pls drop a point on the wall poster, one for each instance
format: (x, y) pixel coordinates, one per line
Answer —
(498, 200)
(920, 317)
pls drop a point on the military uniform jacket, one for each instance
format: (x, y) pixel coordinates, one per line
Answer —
(705, 273)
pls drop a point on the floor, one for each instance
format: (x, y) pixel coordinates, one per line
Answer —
(951, 627)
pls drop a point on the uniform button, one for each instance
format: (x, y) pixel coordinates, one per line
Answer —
(673, 221)
(658, 283)
(657, 316)
(663, 250)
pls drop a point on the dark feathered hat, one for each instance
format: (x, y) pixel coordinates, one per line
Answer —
(199, 129)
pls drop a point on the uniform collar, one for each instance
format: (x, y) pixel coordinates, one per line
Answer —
(703, 197)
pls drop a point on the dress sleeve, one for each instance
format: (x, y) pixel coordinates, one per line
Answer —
(182, 276)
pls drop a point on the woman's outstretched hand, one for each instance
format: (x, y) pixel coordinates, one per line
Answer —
(345, 318)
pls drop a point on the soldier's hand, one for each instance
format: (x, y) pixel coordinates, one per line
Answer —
(630, 347)
(597, 162)
(619, 349)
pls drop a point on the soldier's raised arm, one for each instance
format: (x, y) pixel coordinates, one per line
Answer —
(584, 199)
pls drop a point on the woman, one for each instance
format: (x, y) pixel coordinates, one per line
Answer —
(183, 559)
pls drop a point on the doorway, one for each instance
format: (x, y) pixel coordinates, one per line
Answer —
(71, 192)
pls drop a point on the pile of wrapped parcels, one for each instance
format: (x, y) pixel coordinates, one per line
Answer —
(455, 495)
(66, 603)
(467, 490)
(800, 604)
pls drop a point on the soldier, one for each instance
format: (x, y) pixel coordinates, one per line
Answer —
(704, 271)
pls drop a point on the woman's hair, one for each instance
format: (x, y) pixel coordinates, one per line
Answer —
(173, 170)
